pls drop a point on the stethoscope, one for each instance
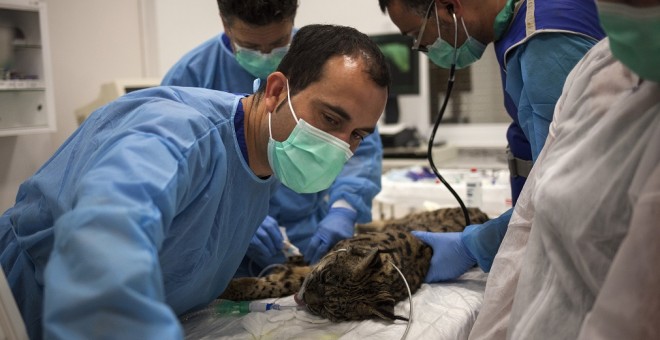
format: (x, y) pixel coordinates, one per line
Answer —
(450, 85)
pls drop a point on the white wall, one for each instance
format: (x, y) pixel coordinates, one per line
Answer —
(201, 19)
(366, 16)
(92, 42)
(175, 27)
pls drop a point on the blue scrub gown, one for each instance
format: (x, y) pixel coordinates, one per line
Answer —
(144, 213)
(536, 72)
(213, 65)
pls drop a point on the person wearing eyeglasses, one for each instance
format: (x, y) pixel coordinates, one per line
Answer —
(256, 36)
(537, 43)
(580, 258)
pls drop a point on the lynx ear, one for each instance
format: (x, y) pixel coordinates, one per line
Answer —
(384, 311)
(370, 260)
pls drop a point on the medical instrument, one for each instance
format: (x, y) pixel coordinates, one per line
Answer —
(410, 313)
(474, 189)
(227, 307)
(237, 308)
(288, 248)
(450, 85)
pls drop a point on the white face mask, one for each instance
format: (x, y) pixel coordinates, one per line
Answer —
(310, 159)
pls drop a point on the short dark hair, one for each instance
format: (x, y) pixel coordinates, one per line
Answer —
(416, 6)
(258, 12)
(313, 45)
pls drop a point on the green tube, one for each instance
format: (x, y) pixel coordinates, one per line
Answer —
(227, 307)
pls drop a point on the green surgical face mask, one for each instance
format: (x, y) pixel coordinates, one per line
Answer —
(634, 34)
(310, 159)
(503, 19)
(260, 64)
(441, 52)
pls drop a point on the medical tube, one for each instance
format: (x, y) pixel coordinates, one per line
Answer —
(227, 307)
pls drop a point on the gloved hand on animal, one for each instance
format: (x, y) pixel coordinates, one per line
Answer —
(336, 226)
(451, 258)
(266, 245)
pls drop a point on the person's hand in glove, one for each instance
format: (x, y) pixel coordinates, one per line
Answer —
(451, 258)
(336, 226)
(266, 245)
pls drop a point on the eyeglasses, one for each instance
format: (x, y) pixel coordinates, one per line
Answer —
(416, 44)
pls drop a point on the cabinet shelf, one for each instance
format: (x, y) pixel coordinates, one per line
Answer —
(39, 89)
(26, 104)
(27, 46)
(22, 85)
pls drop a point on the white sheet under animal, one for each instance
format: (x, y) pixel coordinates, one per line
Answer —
(441, 311)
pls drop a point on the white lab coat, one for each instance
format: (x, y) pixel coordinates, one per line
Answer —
(579, 259)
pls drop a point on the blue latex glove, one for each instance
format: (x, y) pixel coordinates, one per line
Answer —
(483, 240)
(336, 226)
(266, 245)
(451, 258)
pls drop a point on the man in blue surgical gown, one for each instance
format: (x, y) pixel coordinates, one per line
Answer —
(580, 258)
(537, 43)
(146, 211)
(256, 36)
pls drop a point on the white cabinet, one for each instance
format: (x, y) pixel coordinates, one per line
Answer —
(26, 91)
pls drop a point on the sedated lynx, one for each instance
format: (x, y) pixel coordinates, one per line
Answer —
(355, 280)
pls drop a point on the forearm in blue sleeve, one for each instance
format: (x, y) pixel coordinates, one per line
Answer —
(359, 181)
(104, 276)
(544, 62)
(483, 240)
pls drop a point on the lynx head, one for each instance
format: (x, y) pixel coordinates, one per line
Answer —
(354, 283)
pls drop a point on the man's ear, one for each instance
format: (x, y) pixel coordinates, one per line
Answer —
(449, 6)
(276, 90)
